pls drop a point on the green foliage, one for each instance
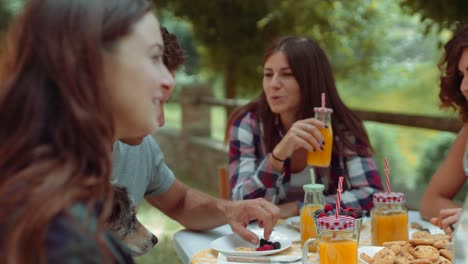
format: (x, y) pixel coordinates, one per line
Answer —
(446, 14)
(5, 16)
(231, 38)
(351, 32)
(384, 142)
(435, 149)
(233, 33)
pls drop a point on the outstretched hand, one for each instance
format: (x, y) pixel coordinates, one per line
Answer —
(240, 213)
(446, 219)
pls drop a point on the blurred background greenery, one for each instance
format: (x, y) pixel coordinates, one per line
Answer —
(384, 54)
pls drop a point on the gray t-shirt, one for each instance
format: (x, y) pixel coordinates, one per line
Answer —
(141, 169)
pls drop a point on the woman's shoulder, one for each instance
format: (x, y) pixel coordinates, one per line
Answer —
(246, 119)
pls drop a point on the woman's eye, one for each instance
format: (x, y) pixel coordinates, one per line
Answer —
(267, 74)
(156, 57)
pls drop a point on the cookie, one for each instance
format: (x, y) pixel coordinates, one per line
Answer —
(439, 244)
(443, 260)
(384, 256)
(404, 258)
(421, 234)
(446, 253)
(390, 243)
(440, 237)
(396, 249)
(421, 261)
(426, 252)
(406, 249)
(421, 241)
(365, 257)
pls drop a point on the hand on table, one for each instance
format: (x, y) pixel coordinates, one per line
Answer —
(446, 219)
(240, 213)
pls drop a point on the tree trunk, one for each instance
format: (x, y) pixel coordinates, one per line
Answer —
(230, 80)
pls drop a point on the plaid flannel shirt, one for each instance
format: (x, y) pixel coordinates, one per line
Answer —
(252, 176)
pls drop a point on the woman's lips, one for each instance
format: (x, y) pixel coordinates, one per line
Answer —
(159, 110)
(276, 98)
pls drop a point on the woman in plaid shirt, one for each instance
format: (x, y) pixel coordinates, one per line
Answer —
(270, 136)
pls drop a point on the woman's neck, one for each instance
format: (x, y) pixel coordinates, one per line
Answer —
(287, 120)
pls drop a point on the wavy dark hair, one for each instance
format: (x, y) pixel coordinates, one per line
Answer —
(174, 56)
(313, 72)
(450, 80)
(57, 131)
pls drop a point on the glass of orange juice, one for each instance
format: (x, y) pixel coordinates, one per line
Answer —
(337, 240)
(389, 218)
(313, 201)
(322, 158)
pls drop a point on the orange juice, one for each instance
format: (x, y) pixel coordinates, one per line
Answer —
(337, 252)
(322, 158)
(307, 223)
(388, 227)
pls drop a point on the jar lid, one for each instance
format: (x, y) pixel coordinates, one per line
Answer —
(313, 187)
(323, 110)
(389, 198)
(332, 223)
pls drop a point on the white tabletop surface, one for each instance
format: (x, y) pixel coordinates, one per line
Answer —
(188, 243)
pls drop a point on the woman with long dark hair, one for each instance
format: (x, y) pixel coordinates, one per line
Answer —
(448, 180)
(75, 75)
(270, 136)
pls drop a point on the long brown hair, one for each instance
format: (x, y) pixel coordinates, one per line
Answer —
(313, 72)
(56, 130)
(450, 80)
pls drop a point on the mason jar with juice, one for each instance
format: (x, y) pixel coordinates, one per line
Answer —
(322, 158)
(313, 201)
(389, 218)
(336, 240)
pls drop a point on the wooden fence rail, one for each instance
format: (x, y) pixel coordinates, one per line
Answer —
(449, 124)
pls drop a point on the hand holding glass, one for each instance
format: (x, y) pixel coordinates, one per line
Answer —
(322, 158)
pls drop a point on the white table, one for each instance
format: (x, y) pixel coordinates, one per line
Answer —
(188, 243)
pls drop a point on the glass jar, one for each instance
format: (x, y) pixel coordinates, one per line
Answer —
(322, 157)
(313, 201)
(337, 240)
(389, 218)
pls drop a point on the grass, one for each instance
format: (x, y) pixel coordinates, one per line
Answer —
(164, 228)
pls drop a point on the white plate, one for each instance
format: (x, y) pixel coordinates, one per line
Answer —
(292, 221)
(227, 244)
(369, 251)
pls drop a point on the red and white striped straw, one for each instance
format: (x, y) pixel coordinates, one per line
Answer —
(387, 172)
(323, 100)
(338, 196)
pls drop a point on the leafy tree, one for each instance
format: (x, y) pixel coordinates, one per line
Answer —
(5, 15)
(447, 14)
(228, 29)
(7, 10)
(434, 151)
(233, 33)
